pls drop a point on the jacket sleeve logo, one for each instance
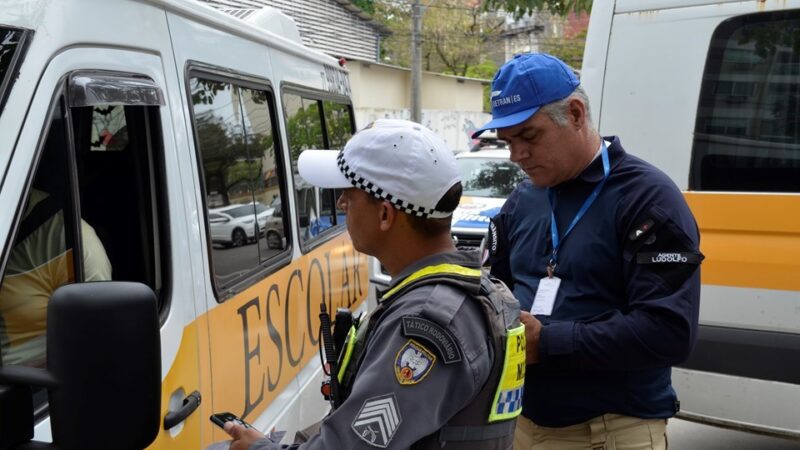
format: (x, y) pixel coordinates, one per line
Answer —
(413, 363)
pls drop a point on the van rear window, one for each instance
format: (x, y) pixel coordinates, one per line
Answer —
(11, 44)
(747, 133)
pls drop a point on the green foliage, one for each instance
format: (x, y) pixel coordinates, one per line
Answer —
(569, 50)
(367, 6)
(304, 129)
(455, 34)
(522, 7)
(485, 71)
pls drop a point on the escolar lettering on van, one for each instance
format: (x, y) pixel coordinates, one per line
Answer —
(278, 326)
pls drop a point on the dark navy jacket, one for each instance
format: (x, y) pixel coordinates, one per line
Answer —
(627, 307)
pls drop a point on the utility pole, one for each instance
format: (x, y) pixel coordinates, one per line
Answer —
(416, 62)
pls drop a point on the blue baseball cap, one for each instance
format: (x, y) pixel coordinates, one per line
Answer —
(525, 84)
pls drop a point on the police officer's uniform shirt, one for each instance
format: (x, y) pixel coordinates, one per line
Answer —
(627, 306)
(382, 412)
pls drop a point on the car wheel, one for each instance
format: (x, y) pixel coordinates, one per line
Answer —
(238, 237)
(274, 240)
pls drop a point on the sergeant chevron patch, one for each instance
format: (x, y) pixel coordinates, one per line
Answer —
(378, 420)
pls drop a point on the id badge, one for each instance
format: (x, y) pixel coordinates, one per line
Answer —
(545, 296)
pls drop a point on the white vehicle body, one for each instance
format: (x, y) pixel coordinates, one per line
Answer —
(705, 91)
(244, 338)
(229, 226)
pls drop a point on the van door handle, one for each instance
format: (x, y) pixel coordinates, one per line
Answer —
(190, 403)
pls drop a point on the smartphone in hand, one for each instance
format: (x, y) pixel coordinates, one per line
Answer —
(220, 418)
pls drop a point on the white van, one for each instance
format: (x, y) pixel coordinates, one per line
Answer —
(709, 91)
(122, 125)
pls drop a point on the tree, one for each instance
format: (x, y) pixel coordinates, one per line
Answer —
(567, 49)
(456, 33)
(521, 7)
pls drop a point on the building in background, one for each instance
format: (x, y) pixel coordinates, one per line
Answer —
(452, 106)
(562, 36)
(336, 27)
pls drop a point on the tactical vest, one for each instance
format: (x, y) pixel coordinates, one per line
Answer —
(488, 422)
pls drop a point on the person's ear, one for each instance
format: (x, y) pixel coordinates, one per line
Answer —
(577, 113)
(388, 215)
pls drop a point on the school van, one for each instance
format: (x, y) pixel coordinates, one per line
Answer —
(709, 91)
(125, 128)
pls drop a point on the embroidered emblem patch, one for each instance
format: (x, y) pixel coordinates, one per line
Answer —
(412, 363)
(378, 420)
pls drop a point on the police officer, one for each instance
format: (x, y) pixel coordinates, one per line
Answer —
(440, 363)
(602, 249)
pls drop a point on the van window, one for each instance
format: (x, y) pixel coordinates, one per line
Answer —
(90, 214)
(747, 133)
(315, 123)
(11, 49)
(242, 176)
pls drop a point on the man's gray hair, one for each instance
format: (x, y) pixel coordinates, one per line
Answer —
(559, 109)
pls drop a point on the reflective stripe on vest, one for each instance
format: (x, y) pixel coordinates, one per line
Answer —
(350, 343)
(439, 269)
(507, 402)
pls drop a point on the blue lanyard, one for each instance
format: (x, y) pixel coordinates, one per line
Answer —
(557, 243)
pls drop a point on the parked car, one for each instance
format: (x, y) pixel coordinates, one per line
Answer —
(235, 225)
(488, 178)
(274, 228)
(488, 140)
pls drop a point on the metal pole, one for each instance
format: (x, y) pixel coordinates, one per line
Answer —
(416, 62)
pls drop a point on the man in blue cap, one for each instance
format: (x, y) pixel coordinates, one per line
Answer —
(603, 251)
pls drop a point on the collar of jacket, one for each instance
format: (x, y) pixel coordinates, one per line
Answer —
(460, 265)
(593, 173)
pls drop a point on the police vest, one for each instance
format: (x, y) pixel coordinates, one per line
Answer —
(488, 422)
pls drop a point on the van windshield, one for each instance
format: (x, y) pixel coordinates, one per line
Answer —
(10, 47)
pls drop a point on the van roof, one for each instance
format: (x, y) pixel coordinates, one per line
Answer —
(31, 16)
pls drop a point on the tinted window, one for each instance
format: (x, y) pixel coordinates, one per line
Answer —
(318, 124)
(489, 177)
(117, 236)
(337, 123)
(10, 50)
(235, 137)
(747, 134)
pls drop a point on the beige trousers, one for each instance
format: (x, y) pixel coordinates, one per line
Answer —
(607, 432)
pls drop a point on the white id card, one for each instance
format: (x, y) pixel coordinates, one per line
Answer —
(545, 296)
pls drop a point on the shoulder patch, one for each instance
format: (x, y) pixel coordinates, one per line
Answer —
(378, 420)
(413, 363)
(431, 332)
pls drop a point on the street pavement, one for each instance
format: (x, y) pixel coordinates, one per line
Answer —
(685, 435)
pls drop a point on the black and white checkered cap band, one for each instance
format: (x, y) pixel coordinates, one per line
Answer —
(370, 187)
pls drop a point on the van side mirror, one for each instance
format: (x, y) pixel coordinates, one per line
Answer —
(103, 371)
(104, 350)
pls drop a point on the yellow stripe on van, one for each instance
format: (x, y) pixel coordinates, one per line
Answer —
(260, 339)
(749, 240)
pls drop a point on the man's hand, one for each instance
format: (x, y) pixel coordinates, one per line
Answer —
(533, 329)
(242, 437)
